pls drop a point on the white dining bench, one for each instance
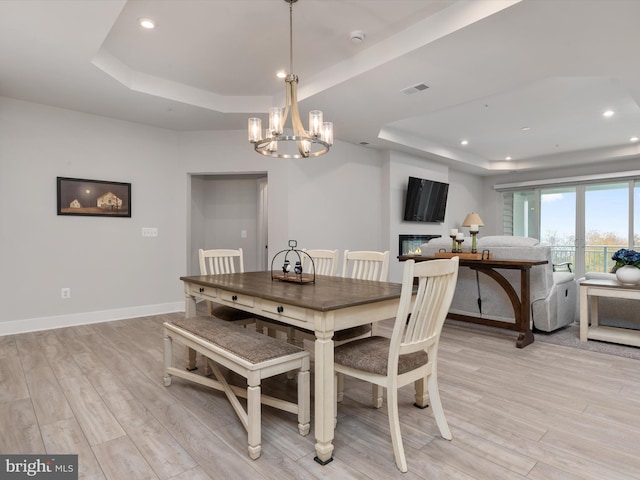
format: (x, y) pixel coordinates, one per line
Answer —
(249, 354)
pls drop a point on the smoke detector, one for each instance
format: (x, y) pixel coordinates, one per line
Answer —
(356, 37)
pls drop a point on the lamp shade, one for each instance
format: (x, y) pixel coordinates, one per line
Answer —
(472, 219)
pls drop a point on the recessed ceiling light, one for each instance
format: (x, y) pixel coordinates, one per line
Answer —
(281, 74)
(524, 129)
(633, 139)
(507, 158)
(464, 142)
(146, 23)
(608, 113)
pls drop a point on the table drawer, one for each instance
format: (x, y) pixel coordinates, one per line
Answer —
(244, 300)
(202, 291)
(297, 313)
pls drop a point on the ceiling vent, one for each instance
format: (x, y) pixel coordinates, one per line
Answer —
(414, 89)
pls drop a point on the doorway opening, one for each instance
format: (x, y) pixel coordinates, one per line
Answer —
(228, 211)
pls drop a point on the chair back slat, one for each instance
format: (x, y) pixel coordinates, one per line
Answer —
(366, 265)
(324, 261)
(220, 260)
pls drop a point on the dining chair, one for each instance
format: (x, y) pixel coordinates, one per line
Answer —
(366, 265)
(219, 261)
(411, 354)
(325, 262)
(363, 265)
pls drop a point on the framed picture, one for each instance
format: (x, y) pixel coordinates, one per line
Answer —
(96, 198)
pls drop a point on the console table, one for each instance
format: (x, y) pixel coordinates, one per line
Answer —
(590, 291)
(521, 304)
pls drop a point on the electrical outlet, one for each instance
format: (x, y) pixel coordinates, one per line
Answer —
(149, 232)
(65, 293)
(243, 234)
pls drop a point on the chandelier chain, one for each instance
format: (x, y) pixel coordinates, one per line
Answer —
(290, 38)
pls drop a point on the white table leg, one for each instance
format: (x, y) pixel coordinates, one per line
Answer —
(324, 397)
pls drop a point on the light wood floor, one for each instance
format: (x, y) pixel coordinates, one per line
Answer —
(543, 412)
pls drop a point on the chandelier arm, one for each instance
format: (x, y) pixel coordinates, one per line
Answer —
(298, 128)
(287, 105)
(296, 122)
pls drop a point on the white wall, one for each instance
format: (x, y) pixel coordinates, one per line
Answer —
(105, 262)
(465, 195)
(335, 201)
(113, 271)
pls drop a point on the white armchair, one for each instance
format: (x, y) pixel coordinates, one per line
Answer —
(553, 294)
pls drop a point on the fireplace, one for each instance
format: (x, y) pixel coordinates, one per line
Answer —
(410, 244)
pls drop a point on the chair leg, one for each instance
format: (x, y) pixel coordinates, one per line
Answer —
(422, 398)
(376, 395)
(291, 338)
(253, 424)
(335, 400)
(394, 427)
(304, 401)
(436, 406)
(339, 387)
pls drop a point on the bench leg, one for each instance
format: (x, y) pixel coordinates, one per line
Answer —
(191, 359)
(304, 401)
(168, 358)
(253, 426)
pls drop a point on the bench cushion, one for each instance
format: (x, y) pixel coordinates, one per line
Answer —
(249, 345)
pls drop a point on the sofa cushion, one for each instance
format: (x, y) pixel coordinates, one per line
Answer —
(507, 241)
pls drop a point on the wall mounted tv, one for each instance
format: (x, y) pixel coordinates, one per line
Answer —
(425, 201)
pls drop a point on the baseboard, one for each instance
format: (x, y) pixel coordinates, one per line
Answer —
(13, 327)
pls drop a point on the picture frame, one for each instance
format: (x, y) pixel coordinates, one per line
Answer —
(93, 198)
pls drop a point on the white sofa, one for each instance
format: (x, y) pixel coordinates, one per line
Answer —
(553, 294)
(614, 312)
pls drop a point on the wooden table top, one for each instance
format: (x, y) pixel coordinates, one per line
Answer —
(326, 294)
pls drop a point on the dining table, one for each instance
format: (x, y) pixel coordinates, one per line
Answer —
(325, 305)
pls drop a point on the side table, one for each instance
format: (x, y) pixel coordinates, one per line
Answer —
(590, 291)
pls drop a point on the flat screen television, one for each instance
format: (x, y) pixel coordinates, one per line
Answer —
(425, 201)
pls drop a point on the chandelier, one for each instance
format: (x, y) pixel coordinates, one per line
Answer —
(296, 142)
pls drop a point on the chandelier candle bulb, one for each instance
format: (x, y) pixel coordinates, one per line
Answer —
(255, 129)
(327, 133)
(273, 145)
(315, 123)
(276, 125)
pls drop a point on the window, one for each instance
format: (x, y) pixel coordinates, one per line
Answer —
(584, 223)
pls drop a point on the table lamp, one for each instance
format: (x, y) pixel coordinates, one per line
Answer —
(474, 222)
